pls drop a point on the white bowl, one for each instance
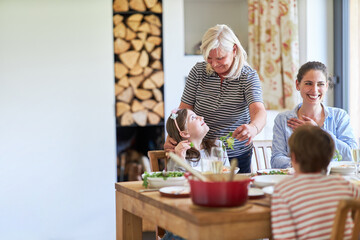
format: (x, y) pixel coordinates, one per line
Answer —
(159, 182)
(268, 180)
(343, 167)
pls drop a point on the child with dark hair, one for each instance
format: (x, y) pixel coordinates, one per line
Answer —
(189, 131)
(304, 206)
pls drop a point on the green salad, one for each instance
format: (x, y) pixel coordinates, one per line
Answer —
(163, 175)
(273, 172)
(337, 155)
(228, 141)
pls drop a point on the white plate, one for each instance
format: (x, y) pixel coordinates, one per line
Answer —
(269, 190)
(337, 163)
(225, 170)
(287, 171)
(159, 182)
(177, 191)
(352, 178)
(268, 180)
(255, 192)
(343, 167)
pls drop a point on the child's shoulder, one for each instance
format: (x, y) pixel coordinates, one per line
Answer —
(298, 180)
(301, 180)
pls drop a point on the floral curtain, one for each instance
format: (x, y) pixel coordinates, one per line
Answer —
(274, 49)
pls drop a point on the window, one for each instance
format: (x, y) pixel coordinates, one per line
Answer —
(341, 50)
(347, 59)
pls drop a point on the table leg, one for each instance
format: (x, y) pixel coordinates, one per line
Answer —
(128, 225)
(132, 225)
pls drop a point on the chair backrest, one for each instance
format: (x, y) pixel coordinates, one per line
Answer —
(262, 152)
(154, 157)
(343, 209)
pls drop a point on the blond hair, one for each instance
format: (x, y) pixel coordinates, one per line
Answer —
(222, 37)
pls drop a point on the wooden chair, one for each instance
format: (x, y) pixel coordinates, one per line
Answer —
(155, 156)
(343, 209)
(261, 152)
(121, 166)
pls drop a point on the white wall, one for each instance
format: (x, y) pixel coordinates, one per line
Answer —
(316, 34)
(233, 13)
(57, 127)
(173, 44)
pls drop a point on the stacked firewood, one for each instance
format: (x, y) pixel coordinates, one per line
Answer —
(138, 62)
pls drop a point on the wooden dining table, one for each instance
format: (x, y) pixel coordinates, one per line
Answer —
(181, 217)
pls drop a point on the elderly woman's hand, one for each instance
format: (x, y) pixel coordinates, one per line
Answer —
(170, 144)
(246, 131)
(294, 123)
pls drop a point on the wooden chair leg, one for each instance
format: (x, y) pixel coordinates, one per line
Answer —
(122, 166)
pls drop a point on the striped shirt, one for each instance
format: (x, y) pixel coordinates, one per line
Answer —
(224, 106)
(304, 206)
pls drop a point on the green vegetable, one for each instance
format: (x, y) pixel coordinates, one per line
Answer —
(191, 144)
(164, 175)
(337, 155)
(273, 172)
(228, 141)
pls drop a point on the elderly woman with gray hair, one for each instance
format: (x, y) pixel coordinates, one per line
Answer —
(226, 91)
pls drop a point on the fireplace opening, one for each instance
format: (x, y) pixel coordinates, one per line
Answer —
(133, 143)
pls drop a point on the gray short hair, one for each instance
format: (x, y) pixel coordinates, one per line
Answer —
(221, 36)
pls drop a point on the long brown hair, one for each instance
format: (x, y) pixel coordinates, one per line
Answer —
(173, 132)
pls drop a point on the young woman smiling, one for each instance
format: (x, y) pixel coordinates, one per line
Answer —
(312, 82)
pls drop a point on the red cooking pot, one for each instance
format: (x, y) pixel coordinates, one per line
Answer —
(220, 194)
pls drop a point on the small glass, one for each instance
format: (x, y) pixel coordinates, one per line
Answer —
(217, 157)
(356, 158)
(206, 165)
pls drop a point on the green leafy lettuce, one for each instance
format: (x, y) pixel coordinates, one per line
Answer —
(337, 155)
(163, 175)
(228, 141)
